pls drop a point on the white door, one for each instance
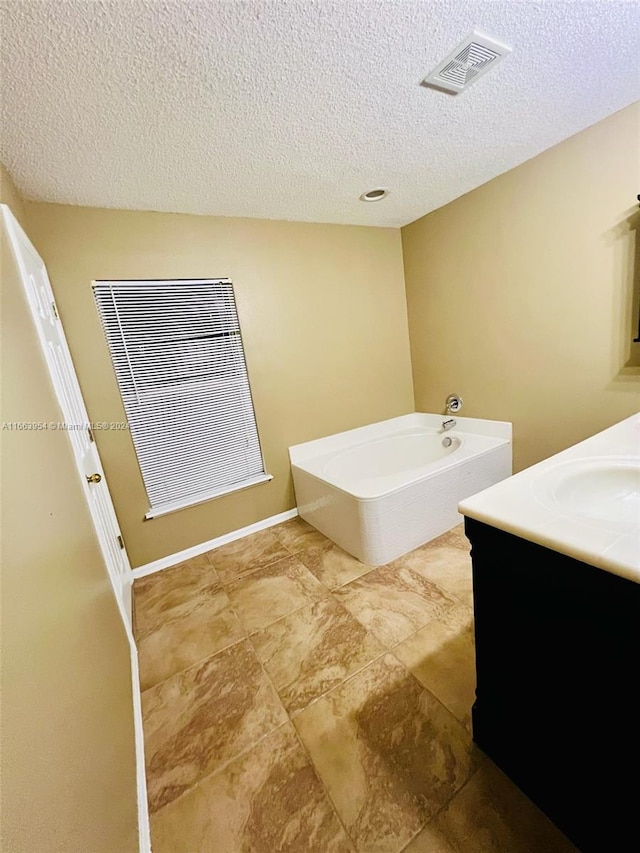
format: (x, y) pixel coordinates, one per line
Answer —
(65, 383)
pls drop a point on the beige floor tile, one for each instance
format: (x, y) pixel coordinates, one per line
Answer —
(296, 535)
(389, 754)
(210, 626)
(454, 538)
(225, 772)
(490, 815)
(269, 800)
(442, 657)
(331, 565)
(204, 716)
(313, 650)
(393, 602)
(237, 559)
(445, 563)
(273, 592)
(169, 593)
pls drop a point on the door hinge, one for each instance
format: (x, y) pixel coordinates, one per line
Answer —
(55, 311)
(121, 542)
(89, 430)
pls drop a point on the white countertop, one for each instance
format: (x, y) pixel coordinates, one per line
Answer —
(527, 503)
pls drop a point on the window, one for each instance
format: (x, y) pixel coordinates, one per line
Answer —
(178, 357)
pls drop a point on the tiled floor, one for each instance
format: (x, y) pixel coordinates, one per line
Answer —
(297, 700)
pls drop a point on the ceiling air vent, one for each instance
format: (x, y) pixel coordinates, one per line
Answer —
(470, 60)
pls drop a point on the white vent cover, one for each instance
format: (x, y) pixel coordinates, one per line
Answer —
(470, 60)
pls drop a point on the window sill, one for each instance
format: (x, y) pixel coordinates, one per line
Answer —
(202, 497)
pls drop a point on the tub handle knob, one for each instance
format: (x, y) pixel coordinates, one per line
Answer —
(454, 404)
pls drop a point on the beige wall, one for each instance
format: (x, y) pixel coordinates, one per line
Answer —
(67, 750)
(519, 294)
(323, 315)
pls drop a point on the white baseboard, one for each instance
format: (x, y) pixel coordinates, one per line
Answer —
(144, 829)
(196, 550)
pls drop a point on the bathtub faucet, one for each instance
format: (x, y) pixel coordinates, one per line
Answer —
(448, 424)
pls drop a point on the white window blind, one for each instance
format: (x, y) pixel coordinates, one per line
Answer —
(179, 361)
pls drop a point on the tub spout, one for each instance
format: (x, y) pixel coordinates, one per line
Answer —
(448, 424)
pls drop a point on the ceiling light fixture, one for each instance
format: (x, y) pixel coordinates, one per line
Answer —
(374, 195)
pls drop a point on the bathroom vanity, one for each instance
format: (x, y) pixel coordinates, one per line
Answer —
(556, 584)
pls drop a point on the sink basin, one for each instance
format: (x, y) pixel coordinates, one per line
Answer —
(605, 488)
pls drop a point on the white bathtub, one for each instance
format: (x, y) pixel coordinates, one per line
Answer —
(381, 490)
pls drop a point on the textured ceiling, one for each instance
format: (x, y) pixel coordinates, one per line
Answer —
(290, 109)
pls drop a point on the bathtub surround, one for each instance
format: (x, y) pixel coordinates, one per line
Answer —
(382, 490)
(520, 293)
(340, 718)
(323, 317)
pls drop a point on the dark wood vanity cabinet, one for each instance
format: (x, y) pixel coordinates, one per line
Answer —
(558, 665)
